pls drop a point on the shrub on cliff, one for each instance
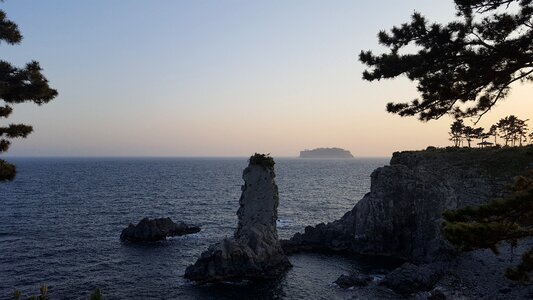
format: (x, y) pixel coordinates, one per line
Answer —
(17, 295)
(264, 160)
(509, 219)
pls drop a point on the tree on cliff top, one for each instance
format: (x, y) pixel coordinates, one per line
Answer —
(472, 133)
(17, 85)
(512, 130)
(456, 132)
(462, 68)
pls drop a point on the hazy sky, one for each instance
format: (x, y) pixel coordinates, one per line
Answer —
(219, 78)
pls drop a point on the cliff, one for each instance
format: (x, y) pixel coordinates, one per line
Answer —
(326, 153)
(401, 215)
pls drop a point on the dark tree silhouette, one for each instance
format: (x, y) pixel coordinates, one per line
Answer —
(461, 68)
(456, 132)
(493, 131)
(471, 133)
(459, 132)
(483, 136)
(17, 85)
(512, 130)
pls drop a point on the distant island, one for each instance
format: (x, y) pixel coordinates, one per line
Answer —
(326, 153)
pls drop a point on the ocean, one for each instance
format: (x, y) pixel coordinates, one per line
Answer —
(61, 219)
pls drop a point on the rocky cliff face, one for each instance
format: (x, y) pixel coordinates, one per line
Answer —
(401, 215)
(254, 251)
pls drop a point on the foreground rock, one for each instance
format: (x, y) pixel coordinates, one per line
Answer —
(155, 230)
(348, 281)
(401, 216)
(254, 252)
(410, 278)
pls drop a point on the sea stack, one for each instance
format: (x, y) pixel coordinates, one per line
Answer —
(254, 252)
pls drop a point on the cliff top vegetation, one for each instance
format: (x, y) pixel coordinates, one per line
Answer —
(493, 161)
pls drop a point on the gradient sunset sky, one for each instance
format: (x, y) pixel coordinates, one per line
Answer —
(219, 78)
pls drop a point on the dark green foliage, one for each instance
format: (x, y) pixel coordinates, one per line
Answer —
(18, 85)
(264, 160)
(508, 219)
(522, 271)
(24, 85)
(17, 295)
(463, 67)
(9, 32)
(96, 295)
(7, 170)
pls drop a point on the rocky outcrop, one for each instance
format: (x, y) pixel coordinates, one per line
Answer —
(155, 230)
(401, 215)
(254, 251)
(348, 281)
(410, 278)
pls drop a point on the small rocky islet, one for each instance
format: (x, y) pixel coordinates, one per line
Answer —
(326, 153)
(153, 230)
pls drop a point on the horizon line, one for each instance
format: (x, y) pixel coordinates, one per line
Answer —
(170, 156)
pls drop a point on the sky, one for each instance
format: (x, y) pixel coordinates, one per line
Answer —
(220, 78)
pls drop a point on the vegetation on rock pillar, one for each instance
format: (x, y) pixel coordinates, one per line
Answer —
(462, 68)
(264, 160)
(17, 85)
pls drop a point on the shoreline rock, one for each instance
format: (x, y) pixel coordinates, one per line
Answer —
(348, 281)
(254, 252)
(410, 278)
(148, 230)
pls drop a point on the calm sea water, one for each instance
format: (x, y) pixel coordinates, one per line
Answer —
(61, 219)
